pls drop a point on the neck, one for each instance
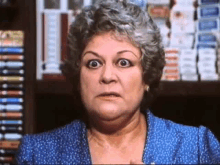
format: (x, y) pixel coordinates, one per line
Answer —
(118, 133)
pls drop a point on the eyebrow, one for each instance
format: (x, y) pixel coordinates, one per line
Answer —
(120, 52)
(94, 53)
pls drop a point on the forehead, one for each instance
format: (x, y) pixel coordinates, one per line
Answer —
(110, 43)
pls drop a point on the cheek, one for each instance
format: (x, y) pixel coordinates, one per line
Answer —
(84, 81)
(83, 78)
(133, 82)
(87, 82)
(134, 90)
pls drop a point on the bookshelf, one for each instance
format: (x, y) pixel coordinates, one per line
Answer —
(23, 20)
(176, 88)
(202, 88)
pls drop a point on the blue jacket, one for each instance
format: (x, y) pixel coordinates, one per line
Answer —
(167, 143)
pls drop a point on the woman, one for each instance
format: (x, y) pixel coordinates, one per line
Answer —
(116, 63)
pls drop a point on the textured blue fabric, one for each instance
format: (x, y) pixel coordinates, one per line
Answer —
(167, 143)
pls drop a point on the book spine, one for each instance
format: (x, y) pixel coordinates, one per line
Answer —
(6, 158)
(11, 78)
(11, 114)
(12, 57)
(11, 122)
(5, 144)
(12, 136)
(208, 25)
(11, 93)
(7, 152)
(11, 128)
(11, 64)
(11, 107)
(11, 72)
(11, 100)
(11, 86)
(11, 50)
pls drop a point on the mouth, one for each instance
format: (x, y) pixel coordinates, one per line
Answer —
(109, 96)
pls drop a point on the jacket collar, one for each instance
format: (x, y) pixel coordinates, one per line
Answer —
(160, 141)
(75, 148)
(156, 151)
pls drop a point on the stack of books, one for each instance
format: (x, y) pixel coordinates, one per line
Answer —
(208, 28)
(12, 69)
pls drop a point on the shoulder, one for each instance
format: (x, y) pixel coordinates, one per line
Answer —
(209, 146)
(169, 126)
(189, 142)
(73, 129)
(46, 145)
(178, 139)
(195, 133)
(202, 133)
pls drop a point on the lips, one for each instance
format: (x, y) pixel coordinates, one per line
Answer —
(109, 94)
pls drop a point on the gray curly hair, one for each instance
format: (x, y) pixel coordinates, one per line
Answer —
(123, 19)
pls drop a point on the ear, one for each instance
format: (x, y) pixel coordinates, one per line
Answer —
(147, 87)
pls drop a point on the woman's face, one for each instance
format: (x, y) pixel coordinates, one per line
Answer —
(111, 82)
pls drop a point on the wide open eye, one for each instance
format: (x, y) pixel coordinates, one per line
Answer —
(124, 63)
(93, 64)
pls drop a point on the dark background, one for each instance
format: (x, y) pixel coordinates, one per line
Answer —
(57, 110)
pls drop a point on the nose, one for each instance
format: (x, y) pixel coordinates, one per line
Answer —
(108, 74)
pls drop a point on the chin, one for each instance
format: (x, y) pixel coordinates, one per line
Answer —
(109, 112)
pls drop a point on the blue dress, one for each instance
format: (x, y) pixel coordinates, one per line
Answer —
(167, 143)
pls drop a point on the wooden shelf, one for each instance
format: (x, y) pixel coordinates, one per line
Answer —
(205, 88)
(53, 87)
(208, 88)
